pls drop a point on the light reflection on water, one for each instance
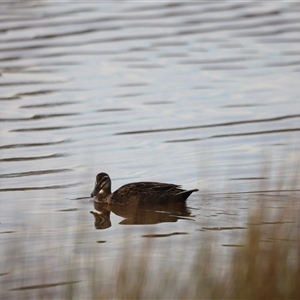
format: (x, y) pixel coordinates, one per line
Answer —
(199, 94)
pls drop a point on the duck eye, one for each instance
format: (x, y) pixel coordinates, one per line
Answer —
(103, 181)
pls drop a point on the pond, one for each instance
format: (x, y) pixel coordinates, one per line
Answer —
(204, 95)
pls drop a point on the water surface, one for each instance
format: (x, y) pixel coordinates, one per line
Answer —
(200, 94)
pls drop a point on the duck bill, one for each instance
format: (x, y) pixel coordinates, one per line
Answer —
(96, 191)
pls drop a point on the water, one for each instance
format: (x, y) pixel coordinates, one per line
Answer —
(199, 94)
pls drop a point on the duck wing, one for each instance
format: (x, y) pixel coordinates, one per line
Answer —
(147, 193)
(156, 186)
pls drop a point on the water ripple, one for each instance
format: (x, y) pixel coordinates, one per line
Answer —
(237, 134)
(57, 127)
(33, 173)
(37, 188)
(38, 117)
(211, 125)
(112, 109)
(43, 286)
(25, 145)
(51, 104)
(57, 155)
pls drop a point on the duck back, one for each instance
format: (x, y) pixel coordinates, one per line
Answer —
(149, 193)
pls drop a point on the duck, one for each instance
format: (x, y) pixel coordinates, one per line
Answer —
(138, 193)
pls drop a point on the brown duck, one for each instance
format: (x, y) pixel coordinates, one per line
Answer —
(137, 193)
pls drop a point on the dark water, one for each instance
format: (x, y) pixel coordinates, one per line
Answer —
(200, 94)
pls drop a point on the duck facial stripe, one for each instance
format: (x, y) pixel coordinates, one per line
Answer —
(103, 181)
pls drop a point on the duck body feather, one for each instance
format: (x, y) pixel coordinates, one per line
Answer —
(139, 193)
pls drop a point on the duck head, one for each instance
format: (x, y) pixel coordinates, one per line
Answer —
(102, 185)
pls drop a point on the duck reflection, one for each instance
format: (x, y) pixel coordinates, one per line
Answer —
(139, 215)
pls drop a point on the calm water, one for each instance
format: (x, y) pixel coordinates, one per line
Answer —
(201, 94)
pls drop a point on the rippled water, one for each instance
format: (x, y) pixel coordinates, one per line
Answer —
(201, 94)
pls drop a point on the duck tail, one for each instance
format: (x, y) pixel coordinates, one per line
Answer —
(185, 194)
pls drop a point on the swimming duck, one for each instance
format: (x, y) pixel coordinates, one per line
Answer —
(138, 192)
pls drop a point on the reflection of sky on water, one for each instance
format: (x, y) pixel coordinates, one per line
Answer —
(199, 94)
